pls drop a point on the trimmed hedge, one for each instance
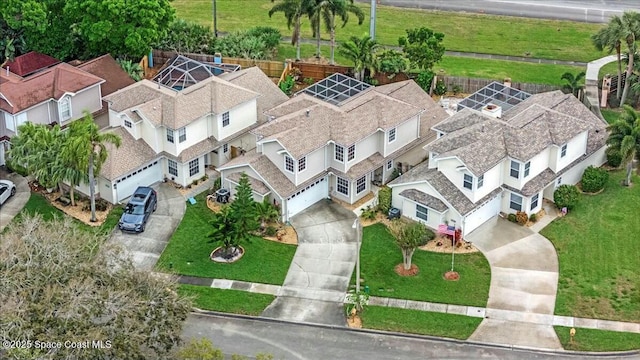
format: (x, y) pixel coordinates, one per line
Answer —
(566, 196)
(614, 159)
(594, 179)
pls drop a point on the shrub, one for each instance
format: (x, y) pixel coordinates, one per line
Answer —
(614, 158)
(287, 84)
(511, 217)
(614, 102)
(217, 184)
(101, 205)
(186, 37)
(368, 213)
(566, 196)
(424, 79)
(440, 88)
(429, 235)
(533, 218)
(270, 35)
(384, 199)
(594, 179)
(270, 231)
(456, 89)
(521, 217)
(308, 81)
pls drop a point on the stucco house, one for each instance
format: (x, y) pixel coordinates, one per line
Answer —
(335, 140)
(173, 132)
(501, 157)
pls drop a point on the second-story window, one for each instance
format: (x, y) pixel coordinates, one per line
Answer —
(563, 151)
(468, 181)
(515, 169)
(302, 163)
(480, 181)
(339, 153)
(170, 135)
(65, 108)
(127, 123)
(288, 163)
(389, 164)
(225, 148)
(351, 152)
(225, 119)
(392, 135)
(527, 168)
(182, 134)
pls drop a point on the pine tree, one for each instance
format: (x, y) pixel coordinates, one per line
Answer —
(243, 209)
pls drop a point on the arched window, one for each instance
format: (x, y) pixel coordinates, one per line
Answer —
(65, 108)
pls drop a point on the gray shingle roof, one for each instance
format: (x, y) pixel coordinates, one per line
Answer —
(425, 199)
(131, 155)
(256, 80)
(256, 185)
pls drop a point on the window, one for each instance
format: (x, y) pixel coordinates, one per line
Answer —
(389, 164)
(194, 167)
(65, 108)
(559, 182)
(225, 119)
(468, 181)
(173, 167)
(127, 123)
(527, 167)
(170, 135)
(9, 122)
(563, 151)
(182, 134)
(343, 186)
(392, 135)
(351, 152)
(339, 153)
(534, 202)
(422, 212)
(225, 148)
(515, 169)
(361, 184)
(516, 202)
(288, 163)
(480, 181)
(302, 163)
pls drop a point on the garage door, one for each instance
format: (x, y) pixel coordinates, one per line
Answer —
(307, 196)
(144, 176)
(482, 214)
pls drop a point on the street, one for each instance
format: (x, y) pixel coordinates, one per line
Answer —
(250, 336)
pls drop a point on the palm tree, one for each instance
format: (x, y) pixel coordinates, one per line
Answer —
(87, 147)
(574, 82)
(326, 11)
(132, 69)
(609, 38)
(362, 51)
(293, 10)
(624, 137)
(630, 31)
(266, 212)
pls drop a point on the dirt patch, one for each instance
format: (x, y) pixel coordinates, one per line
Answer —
(354, 322)
(400, 270)
(77, 211)
(442, 244)
(213, 205)
(451, 276)
(380, 218)
(287, 235)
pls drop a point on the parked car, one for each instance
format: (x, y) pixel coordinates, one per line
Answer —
(7, 190)
(143, 202)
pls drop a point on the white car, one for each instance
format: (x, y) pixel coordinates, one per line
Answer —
(7, 189)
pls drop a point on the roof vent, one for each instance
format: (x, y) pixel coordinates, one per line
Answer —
(308, 111)
(492, 110)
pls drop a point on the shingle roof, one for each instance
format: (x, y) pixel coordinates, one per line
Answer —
(425, 199)
(131, 155)
(256, 185)
(256, 80)
(19, 93)
(107, 68)
(175, 109)
(29, 63)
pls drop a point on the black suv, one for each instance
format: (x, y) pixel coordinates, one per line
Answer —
(143, 202)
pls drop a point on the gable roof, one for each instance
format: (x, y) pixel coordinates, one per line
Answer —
(18, 94)
(107, 68)
(131, 155)
(176, 109)
(256, 80)
(29, 63)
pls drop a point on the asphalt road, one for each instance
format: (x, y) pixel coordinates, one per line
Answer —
(585, 10)
(250, 336)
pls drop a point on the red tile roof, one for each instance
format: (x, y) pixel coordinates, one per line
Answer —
(17, 94)
(107, 68)
(30, 63)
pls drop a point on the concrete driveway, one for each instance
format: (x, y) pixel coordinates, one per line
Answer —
(524, 281)
(319, 276)
(14, 204)
(145, 248)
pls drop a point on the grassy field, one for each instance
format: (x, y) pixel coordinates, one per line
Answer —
(189, 248)
(229, 301)
(599, 254)
(419, 322)
(379, 256)
(597, 340)
(562, 40)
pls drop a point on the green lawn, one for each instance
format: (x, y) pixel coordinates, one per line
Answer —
(562, 40)
(189, 248)
(229, 301)
(419, 322)
(599, 253)
(597, 340)
(611, 115)
(379, 256)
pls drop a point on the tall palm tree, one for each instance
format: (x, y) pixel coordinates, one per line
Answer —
(325, 12)
(362, 51)
(88, 145)
(624, 137)
(609, 37)
(574, 82)
(293, 10)
(630, 31)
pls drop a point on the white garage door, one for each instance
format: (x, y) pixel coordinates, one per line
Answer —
(144, 176)
(482, 214)
(308, 196)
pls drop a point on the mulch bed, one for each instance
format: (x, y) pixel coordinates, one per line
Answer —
(400, 270)
(451, 276)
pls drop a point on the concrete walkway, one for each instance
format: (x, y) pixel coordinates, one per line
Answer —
(319, 276)
(591, 82)
(14, 204)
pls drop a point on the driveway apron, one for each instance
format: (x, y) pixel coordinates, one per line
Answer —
(16, 202)
(524, 281)
(320, 272)
(145, 248)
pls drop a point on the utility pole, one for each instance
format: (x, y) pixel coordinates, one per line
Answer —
(372, 23)
(358, 226)
(215, 19)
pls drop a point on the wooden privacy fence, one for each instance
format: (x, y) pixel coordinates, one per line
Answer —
(319, 71)
(471, 85)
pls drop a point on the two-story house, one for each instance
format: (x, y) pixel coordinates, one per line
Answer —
(494, 160)
(330, 144)
(173, 133)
